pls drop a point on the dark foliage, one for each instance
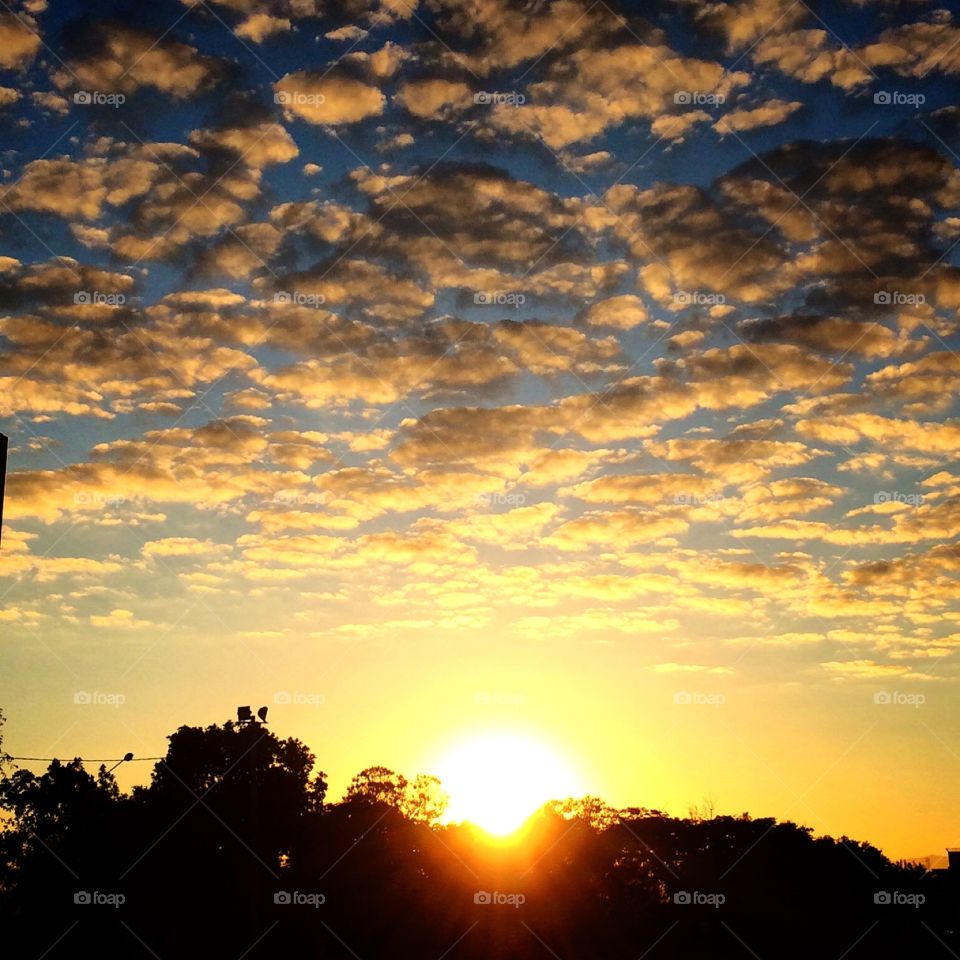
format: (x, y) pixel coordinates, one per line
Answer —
(232, 851)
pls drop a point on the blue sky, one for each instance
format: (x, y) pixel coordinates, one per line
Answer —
(587, 356)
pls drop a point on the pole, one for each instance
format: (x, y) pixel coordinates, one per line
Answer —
(3, 478)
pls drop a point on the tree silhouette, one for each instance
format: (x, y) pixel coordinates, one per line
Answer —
(232, 850)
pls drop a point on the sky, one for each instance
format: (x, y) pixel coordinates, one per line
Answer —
(427, 370)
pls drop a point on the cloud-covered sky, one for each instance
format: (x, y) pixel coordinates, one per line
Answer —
(472, 362)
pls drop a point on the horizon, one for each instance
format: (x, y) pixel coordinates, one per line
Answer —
(706, 806)
(488, 386)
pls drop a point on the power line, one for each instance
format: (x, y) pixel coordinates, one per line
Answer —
(108, 760)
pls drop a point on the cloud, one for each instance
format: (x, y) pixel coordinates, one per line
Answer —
(87, 186)
(259, 26)
(838, 335)
(811, 56)
(616, 529)
(927, 437)
(926, 385)
(48, 100)
(120, 619)
(349, 32)
(434, 97)
(509, 35)
(117, 58)
(327, 98)
(766, 115)
(595, 89)
(744, 22)
(735, 460)
(256, 146)
(170, 547)
(19, 40)
(651, 489)
(621, 313)
(202, 467)
(917, 49)
(870, 669)
(102, 360)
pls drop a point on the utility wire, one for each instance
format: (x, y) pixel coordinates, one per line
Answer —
(109, 760)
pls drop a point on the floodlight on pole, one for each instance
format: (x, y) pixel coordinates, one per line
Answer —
(246, 715)
(126, 758)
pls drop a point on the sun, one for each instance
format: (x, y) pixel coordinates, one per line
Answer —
(496, 780)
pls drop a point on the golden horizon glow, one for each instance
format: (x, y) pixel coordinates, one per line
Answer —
(497, 779)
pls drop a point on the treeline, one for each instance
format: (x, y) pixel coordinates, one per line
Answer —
(233, 851)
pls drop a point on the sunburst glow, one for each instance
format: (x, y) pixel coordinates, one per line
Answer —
(496, 780)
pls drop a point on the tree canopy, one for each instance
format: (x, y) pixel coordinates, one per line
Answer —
(233, 849)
